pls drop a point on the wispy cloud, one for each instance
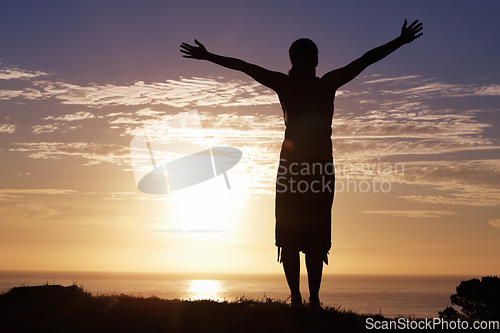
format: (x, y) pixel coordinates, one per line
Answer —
(466, 183)
(468, 196)
(463, 183)
(36, 191)
(11, 73)
(7, 128)
(485, 173)
(23, 211)
(61, 122)
(392, 79)
(259, 136)
(377, 117)
(440, 89)
(177, 93)
(495, 223)
(426, 126)
(26, 93)
(197, 91)
(91, 153)
(40, 129)
(412, 213)
(73, 116)
(22, 195)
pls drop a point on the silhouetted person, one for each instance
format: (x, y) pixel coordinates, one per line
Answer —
(305, 181)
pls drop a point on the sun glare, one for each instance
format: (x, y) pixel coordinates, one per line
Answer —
(205, 289)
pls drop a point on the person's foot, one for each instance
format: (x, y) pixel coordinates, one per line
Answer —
(315, 304)
(296, 301)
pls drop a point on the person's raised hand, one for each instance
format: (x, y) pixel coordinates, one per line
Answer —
(410, 33)
(194, 52)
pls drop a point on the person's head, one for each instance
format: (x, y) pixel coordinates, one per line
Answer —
(303, 56)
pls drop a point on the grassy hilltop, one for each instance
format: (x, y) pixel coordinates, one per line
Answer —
(54, 308)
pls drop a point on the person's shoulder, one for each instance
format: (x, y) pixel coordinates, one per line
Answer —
(331, 75)
(324, 80)
(331, 80)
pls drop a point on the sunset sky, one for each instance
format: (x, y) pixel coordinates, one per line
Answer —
(79, 79)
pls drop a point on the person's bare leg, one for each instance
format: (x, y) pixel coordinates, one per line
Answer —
(291, 266)
(314, 264)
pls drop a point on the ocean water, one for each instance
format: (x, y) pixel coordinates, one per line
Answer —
(419, 296)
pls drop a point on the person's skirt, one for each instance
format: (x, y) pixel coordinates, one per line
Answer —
(304, 198)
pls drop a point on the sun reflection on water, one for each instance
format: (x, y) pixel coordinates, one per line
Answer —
(205, 289)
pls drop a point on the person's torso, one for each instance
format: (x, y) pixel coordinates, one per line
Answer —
(308, 111)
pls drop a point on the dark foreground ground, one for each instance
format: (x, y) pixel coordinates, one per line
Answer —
(53, 308)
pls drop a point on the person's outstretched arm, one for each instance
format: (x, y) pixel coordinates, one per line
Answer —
(341, 76)
(266, 77)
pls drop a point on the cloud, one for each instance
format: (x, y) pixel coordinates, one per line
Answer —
(50, 128)
(412, 213)
(177, 93)
(495, 223)
(147, 112)
(130, 196)
(440, 89)
(20, 194)
(7, 128)
(27, 93)
(222, 126)
(450, 175)
(92, 153)
(197, 91)
(257, 136)
(469, 196)
(356, 149)
(72, 117)
(392, 79)
(20, 74)
(23, 211)
(466, 183)
(413, 88)
(489, 90)
(36, 191)
(40, 129)
(60, 124)
(388, 126)
(114, 114)
(378, 117)
(399, 126)
(260, 136)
